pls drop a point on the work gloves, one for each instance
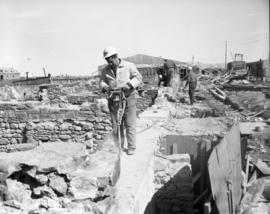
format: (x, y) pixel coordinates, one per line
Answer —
(126, 88)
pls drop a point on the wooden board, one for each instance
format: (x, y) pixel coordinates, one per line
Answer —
(224, 167)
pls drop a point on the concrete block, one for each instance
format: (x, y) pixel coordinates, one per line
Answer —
(179, 158)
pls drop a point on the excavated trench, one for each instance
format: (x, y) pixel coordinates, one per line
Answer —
(199, 149)
(182, 182)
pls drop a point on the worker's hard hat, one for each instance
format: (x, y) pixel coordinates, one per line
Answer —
(109, 51)
(189, 68)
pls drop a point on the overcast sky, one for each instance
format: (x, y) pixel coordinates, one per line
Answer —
(68, 36)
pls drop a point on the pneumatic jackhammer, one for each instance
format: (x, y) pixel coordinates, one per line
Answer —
(118, 100)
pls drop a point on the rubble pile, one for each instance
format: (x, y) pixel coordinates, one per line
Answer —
(241, 94)
(256, 180)
(246, 101)
(58, 178)
(252, 102)
(217, 108)
(258, 145)
(8, 93)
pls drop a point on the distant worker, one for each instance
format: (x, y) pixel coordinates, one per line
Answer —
(24, 95)
(162, 77)
(191, 81)
(169, 69)
(122, 75)
(260, 71)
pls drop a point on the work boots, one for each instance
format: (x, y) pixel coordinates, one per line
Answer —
(131, 151)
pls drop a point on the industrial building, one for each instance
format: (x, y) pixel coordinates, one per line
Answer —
(8, 73)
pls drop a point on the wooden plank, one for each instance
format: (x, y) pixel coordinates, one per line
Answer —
(202, 165)
(234, 151)
(218, 181)
(246, 172)
(200, 197)
(224, 167)
(196, 178)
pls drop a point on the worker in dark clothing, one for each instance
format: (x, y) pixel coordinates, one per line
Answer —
(191, 81)
(162, 77)
(169, 68)
(260, 72)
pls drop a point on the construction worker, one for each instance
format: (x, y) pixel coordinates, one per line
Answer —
(121, 74)
(169, 68)
(260, 71)
(161, 77)
(191, 81)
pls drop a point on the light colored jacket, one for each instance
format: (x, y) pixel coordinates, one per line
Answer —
(126, 72)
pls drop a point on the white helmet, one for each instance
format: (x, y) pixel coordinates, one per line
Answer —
(109, 51)
(190, 68)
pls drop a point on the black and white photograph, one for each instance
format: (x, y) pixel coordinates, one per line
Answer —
(134, 107)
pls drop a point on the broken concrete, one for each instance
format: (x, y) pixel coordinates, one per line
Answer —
(53, 172)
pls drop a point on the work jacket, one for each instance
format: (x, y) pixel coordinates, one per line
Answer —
(191, 78)
(125, 73)
(169, 67)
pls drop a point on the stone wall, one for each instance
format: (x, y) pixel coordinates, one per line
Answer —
(52, 80)
(72, 112)
(174, 188)
(36, 122)
(23, 123)
(32, 81)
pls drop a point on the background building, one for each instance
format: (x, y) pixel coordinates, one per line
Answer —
(8, 73)
(253, 66)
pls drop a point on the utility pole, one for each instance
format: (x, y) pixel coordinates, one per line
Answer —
(226, 55)
(268, 69)
(192, 60)
(44, 71)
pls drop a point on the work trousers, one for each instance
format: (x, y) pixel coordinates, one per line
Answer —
(164, 80)
(169, 76)
(191, 92)
(128, 123)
